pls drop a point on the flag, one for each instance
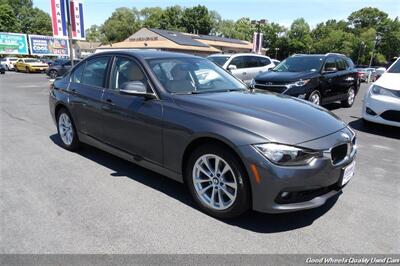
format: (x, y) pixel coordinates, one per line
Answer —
(76, 18)
(59, 18)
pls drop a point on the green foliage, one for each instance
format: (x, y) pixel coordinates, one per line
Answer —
(171, 19)
(8, 19)
(197, 20)
(93, 34)
(368, 17)
(120, 25)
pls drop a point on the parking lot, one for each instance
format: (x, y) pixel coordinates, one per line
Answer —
(55, 201)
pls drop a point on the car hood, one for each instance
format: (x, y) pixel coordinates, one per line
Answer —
(284, 77)
(276, 118)
(389, 81)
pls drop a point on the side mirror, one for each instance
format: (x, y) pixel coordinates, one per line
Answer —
(330, 70)
(232, 67)
(136, 88)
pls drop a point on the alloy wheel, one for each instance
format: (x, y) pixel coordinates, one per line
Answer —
(315, 98)
(53, 74)
(351, 96)
(65, 129)
(215, 182)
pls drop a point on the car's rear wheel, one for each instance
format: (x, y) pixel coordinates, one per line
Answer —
(217, 182)
(53, 74)
(315, 97)
(351, 95)
(27, 70)
(66, 130)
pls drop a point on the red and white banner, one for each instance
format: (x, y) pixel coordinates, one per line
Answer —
(63, 11)
(257, 42)
(76, 16)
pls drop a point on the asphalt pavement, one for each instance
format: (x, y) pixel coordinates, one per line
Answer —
(55, 201)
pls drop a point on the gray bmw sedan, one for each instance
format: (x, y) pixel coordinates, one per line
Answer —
(188, 119)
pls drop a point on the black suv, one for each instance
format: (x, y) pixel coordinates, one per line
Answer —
(320, 79)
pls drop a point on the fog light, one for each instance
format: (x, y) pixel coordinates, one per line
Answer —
(285, 195)
(301, 96)
(370, 111)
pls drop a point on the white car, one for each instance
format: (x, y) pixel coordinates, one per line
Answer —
(243, 66)
(382, 100)
(8, 62)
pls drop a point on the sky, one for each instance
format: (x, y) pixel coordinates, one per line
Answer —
(280, 11)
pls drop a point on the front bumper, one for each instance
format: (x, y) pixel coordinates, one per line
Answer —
(385, 109)
(311, 184)
(37, 69)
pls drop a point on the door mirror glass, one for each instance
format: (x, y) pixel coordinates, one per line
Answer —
(232, 67)
(133, 87)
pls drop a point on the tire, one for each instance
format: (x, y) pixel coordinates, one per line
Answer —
(66, 130)
(27, 70)
(315, 97)
(215, 200)
(53, 74)
(351, 96)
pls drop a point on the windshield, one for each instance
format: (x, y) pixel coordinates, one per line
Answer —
(395, 68)
(300, 64)
(32, 61)
(185, 75)
(219, 60)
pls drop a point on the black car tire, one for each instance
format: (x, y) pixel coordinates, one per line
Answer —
(75, 144)
(241, 203)
(351, 96)
(53, 73)
(312, 96)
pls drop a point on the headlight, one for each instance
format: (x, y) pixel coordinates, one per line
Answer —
(286, 155)
(299, 83)
(382, 91)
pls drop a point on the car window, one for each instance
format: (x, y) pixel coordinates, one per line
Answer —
(239, 62)
(263, 61)
(126, 70)
(395, 68)
(341, 64)
(95, 72)
(77, 74)
(219, 60)
(330, 64)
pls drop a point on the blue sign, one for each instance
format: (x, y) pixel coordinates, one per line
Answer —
(47, 45)
(13, 43)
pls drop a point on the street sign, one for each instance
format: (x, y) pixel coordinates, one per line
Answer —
(59, 18)
(64, 12)
(76, 19)
(13, 43)
(257, 42)
(48, 45)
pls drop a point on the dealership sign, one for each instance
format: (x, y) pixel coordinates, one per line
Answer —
(13, 43)
(64, 11)
(47, 45)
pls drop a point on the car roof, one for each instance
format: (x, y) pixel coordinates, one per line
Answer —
(238, 54)
(147, 54)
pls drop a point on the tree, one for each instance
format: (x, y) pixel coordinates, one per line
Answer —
(120, 25)
(197, 19)
(8, 20)
(300, 40)
(151, 17)
(243, 29)
(93, 34)
(225, 28)
(368, 17)
(37, 22)
(171, 19)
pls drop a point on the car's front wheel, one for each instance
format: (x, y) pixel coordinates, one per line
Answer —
(351, 95)
(66, 130)
(217, 182)
(315, 97)
(53, 74)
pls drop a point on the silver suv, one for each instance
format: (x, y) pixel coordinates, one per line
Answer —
(243, 66)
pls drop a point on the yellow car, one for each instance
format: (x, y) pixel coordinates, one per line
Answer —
(30, 65)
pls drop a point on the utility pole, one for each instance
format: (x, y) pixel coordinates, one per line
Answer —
(359, 52)
(377, 41)
(71, 52)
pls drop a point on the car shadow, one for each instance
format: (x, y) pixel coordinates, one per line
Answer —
(332, 106)
(376, 129)
(252, 221)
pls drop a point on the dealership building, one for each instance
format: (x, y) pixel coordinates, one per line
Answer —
(165, 40)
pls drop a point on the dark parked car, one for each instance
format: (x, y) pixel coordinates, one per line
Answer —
(2, 69)
(59, 69)
(321, 79)
(234, 148)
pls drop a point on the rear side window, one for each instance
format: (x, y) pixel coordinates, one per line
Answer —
(77, 75)
(330, 64)
(239, 62)
(251, 61)
(341, 64)
(263, 61)
(95, 72)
